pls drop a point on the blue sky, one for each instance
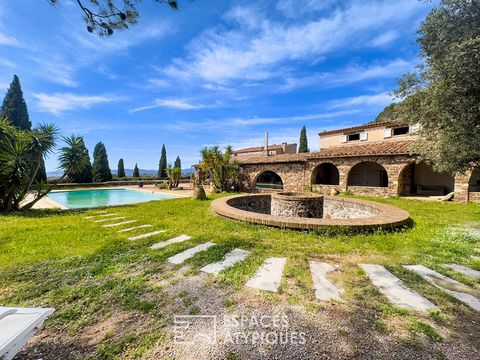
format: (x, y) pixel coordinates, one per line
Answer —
(214, 72)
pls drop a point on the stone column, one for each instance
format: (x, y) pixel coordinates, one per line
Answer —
(343, 176)
(461, 187)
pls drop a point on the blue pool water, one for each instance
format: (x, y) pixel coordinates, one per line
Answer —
(77, 199)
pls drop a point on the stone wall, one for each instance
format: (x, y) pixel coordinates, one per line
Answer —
(298, 176)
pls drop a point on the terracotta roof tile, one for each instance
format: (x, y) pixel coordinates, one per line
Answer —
(358, 128)
(384, 148)
(258, 148)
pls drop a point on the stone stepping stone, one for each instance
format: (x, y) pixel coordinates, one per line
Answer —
(446, 284)
(187, 254)
(120, 223)
(391, 286)
(465, 270)
(231, 258)
(477, 250)
(324, 289)
(143, 236)
(174, 240)
(102, 215)
(110, 219)
(269, 276)
(134, 228)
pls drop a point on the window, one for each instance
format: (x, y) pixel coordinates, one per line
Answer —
(401, 131)
(354, 137)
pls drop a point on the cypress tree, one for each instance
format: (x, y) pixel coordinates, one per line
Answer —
(121, 169)
(303, 146)
(136, 173)
(84, 176)
(162, 164)
(178, 162)
(14, 107)
(101, 169)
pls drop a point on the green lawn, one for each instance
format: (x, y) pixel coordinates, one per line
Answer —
(97, 279)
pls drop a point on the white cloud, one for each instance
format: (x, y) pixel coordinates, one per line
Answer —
(179, 104)
(258, 48)
(58, 103)
(385, 39)
(56, 69)
(376, 100)
(8, 40)
(297, 8)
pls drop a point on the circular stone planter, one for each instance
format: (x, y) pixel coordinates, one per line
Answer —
(290, 204)
(338, 213)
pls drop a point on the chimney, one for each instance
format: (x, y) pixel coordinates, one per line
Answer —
(284, 147)
(266, 143)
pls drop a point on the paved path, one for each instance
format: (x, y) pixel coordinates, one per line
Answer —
(110, 219)
(465, 270)
(324, 289)
(269, 276)
(143, 236)
(120, 223)
(231, 258)
(391, 286)
(440, 281)
(187, 254)
(174, 240)
(135, 227)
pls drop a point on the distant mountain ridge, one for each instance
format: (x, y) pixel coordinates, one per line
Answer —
(128, 172)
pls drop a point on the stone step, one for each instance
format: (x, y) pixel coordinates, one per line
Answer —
(187, 254)
(101, 215)
(174, 240)
(464, 270)
(110, 219)
(143, 236)
(269, 276)
(440, 281)
(391, 286)
(231, 258)
(120, 223)
(324, 289)
(134, 228)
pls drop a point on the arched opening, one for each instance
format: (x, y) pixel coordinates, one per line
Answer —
(421, 179)
(269, 180)
(368, 174)
(474, 183)
(325, 174)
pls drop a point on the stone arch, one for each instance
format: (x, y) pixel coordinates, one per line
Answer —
(268, 179)
(474, 181)
(419, 178)
(367, 173)
(325, 174)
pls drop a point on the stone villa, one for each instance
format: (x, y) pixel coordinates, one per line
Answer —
(374, 159)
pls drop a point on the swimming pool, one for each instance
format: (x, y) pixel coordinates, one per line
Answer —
(77, 199)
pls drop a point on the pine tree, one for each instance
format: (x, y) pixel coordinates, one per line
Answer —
(121, 169)
(14, 107)
(136, 173)
(162, 164)
(178, 162)
(84, 176)
(303, 147)
(101, 169)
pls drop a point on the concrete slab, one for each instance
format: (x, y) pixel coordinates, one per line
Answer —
(269, 276)
(391, 286)
(143, 236)
(324, 289)
(187, 254)
(110, 219)
(134, 228)
(100, 215)
(231, 258)
(174, 240)
(465, 270)
(120, 223)
(442, 282)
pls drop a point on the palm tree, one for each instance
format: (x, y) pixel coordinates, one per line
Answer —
(21, 155)
(219, 167)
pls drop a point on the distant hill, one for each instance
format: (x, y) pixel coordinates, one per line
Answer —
(128, 172)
